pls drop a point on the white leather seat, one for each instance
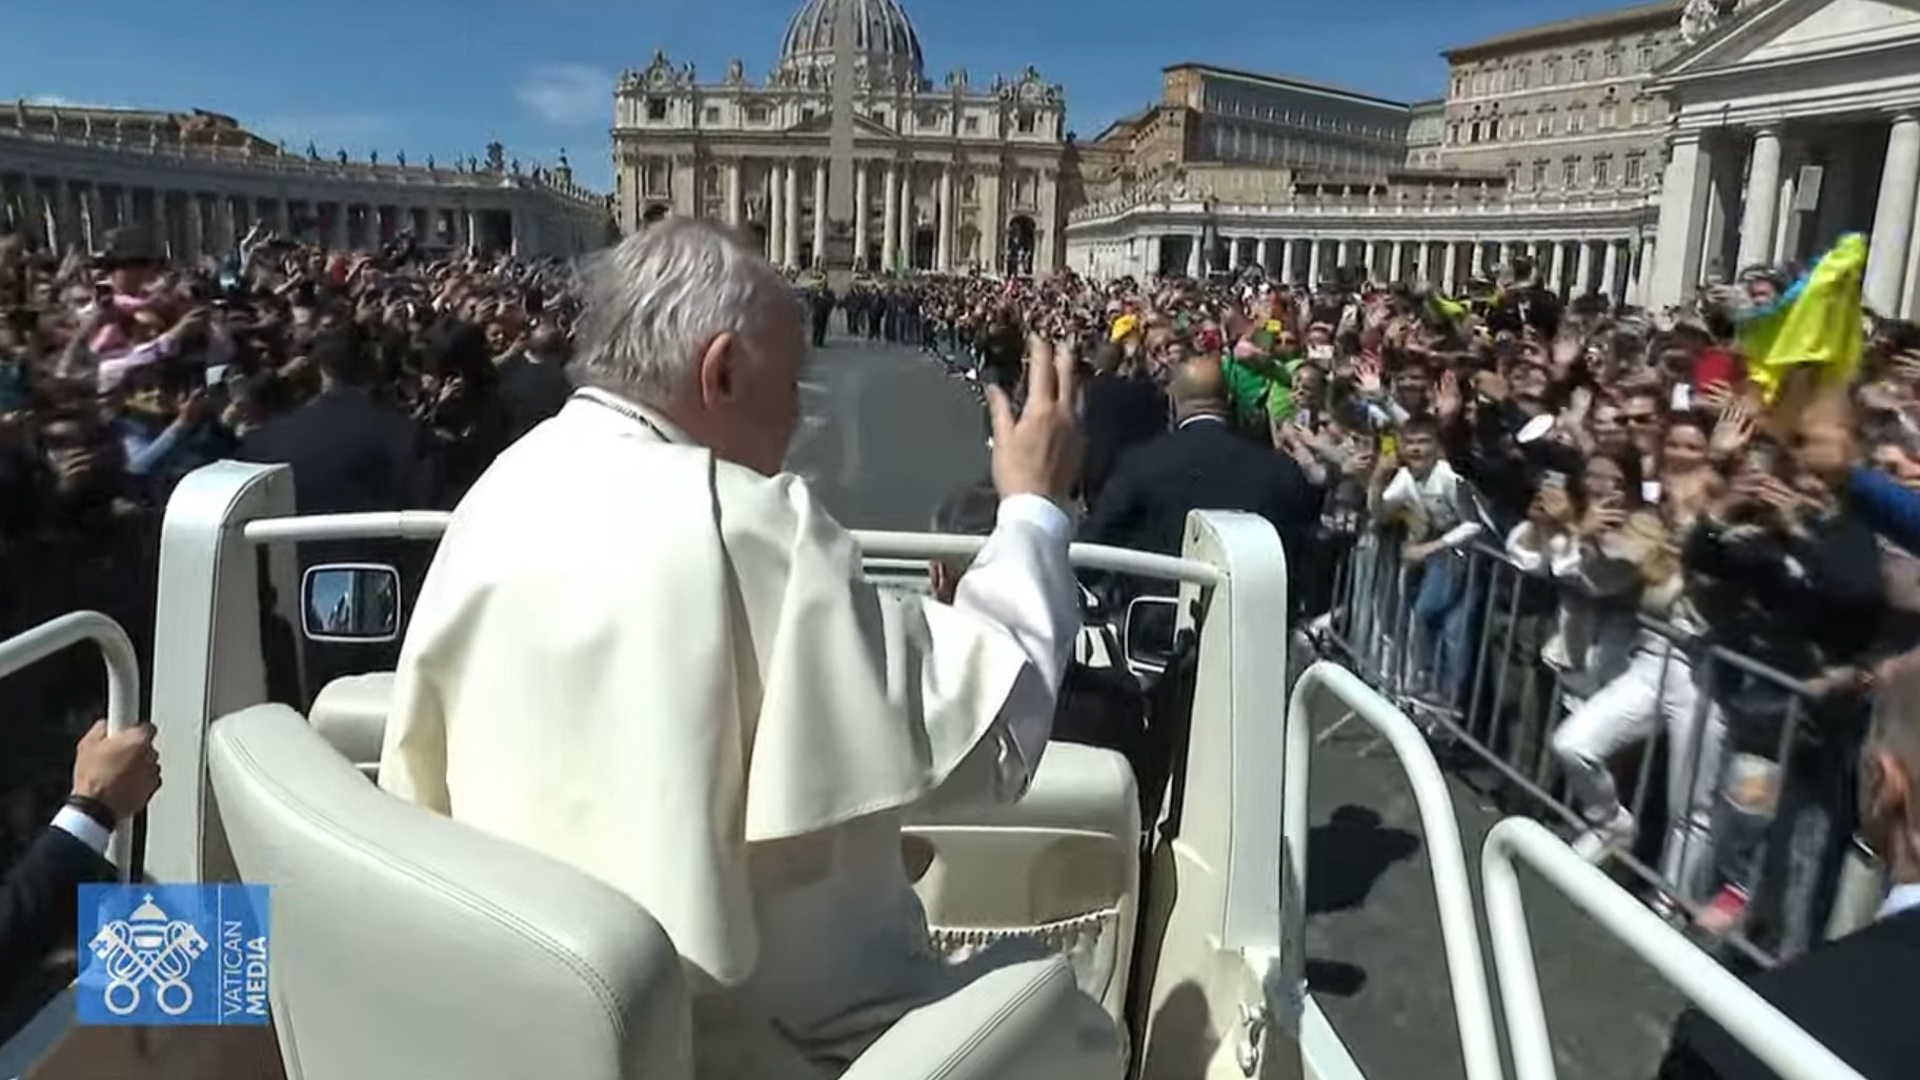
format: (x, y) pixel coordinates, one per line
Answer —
(351, 713)
(406, 944)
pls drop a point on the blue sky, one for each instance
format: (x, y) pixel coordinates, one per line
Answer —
(443, 77)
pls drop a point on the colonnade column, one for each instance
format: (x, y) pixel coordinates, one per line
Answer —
(1477, 267)
(790, 253)
(862, 199)
(943, 247)
(1583, 274)
(776, 211)
(1286, 262)
(1893, 217)
(1763, 191)
(734, 200)
(1610, 271)
(906, 216)
(890, 220)
(1313, 262)
(819, 212)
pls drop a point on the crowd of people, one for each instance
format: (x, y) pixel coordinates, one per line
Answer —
(1670, 493)
(1660, 498)
(388, 379)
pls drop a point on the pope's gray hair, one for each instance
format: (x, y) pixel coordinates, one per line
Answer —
(655, 301)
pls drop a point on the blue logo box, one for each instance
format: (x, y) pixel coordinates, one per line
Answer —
(173, 954)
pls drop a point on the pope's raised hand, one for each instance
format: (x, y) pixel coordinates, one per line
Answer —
(1038, 452)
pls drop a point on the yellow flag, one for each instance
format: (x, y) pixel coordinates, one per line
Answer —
(1817, 321)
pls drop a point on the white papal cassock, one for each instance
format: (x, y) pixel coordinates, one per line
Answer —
(665, 670)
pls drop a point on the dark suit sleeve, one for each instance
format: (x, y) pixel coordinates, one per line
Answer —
(38, 899)
(1115, 513)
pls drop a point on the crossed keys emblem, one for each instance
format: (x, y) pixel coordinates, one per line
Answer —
(148, 946)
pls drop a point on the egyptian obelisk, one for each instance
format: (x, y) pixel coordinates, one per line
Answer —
(837, 259)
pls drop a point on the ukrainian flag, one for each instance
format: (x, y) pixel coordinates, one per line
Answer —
(1817, 321)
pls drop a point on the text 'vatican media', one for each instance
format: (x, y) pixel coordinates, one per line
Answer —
(243, 974)
(174, 954)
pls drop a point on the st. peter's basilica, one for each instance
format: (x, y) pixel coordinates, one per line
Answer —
(947, 177)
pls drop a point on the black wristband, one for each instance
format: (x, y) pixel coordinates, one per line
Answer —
(94, 809)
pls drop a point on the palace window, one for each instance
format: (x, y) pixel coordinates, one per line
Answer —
(1642, 111)
(1024, 121)
(1577, 119)
(1635, 162)
(1609, 115)
(1570, 173)
(1553, 71)
(757, 114)
(1539, 176)
(1543, 124)
(1613, 64)
(1459, 86)
(1646, 56)
(1602, 172)
(656, 108)
(1523, 75)
(710, 116)
(972, 125)
(1580, 71)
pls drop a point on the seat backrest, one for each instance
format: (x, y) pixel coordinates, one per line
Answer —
(351, 713)
(403, 943)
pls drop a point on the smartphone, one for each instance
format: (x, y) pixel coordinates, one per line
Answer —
(1554, 479)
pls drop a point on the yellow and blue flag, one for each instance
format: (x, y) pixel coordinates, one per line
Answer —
(1816, 322)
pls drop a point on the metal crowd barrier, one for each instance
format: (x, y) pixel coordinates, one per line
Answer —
(1764, 823)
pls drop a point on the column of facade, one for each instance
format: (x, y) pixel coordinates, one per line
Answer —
(1420, 261)
(1449, 267)
(1261, 253)
(735, 199)
(1477, 267)
(943, 240)
(1286, 261)
(890, 220)
(1763, 189)
(1684, 193)
(1396, 255)
(1784, 218)
(1152, 256)
(1893, 217)
(819, 212)
(93, 223)
(790, 255)
(1313, 262)
(906, 216)
(862, 203)
(776, 211)
(1583, 268)
(1610, 272)
(1195, 244)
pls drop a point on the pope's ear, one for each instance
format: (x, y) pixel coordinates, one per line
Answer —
(718, 367)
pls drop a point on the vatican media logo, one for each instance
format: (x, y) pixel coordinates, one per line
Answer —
(173, 954)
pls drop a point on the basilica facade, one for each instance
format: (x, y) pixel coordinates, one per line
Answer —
(949, 177)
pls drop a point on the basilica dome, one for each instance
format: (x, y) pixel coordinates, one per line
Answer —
(884, 41)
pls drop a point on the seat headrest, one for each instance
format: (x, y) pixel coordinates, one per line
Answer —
(404, 943)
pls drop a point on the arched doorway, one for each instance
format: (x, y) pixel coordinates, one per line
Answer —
(923, 249)
(1021, 233)
(654, 212)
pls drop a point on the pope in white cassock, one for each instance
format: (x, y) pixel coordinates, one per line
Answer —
(645, 651)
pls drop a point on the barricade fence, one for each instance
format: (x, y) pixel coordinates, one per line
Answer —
(1723, 784)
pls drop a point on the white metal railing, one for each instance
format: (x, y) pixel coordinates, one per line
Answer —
(1752, 1020)
(890, 546)
(1453, 895)
(123, 683)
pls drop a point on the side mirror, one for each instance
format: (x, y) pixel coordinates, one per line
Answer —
(351, 602)
(1148, 637)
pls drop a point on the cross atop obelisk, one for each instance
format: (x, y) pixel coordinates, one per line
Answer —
(838, 257)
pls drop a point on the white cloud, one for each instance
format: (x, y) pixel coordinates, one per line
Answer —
(570, 94)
